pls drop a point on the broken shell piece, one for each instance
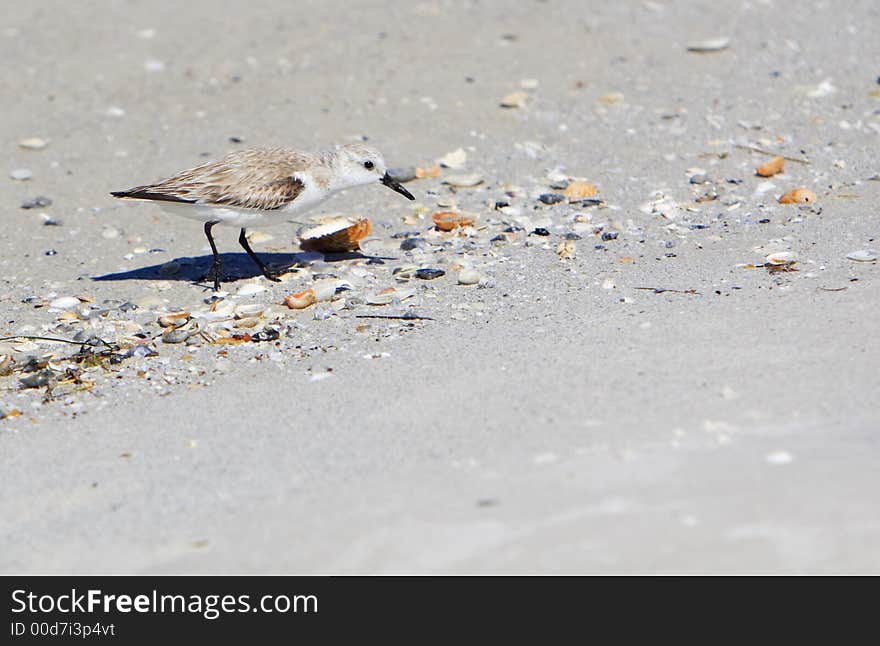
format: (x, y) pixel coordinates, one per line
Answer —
(300, 300)
(248, 310)
(514, 100)
(468, 276)
(456, 159)
(247, 322)
(798, 196)
(579, 190)
(174, 319)
(781, 258)
(566, 249)
(709, 45)
(337, 236)
(33, 143)
(431, 171)
(65, 302)
(772, 167)
(324, 289)
(388, 295)
(464, 181)
(182, 333)
(863, 255)
(449, 220)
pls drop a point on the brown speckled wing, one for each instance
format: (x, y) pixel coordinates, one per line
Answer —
(249, 179)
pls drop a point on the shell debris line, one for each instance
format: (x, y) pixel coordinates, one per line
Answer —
(492, 220)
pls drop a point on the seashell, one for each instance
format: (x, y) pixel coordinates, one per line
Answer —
(250, 289)
(258, 237)
(337, 236)
(300, 300)
(33, 143)
(431, 171)
(174, 319)
(371, 246)
(182, 333)
(456, 159)
(566, 249)
(781, 258)
(65, 302)
(709, 45)
(579, 190)
(611, 99)
(798, 196)
(248, 310)
(324, 289)
(772, 167)
(468, 276)
(69, 316)
(863, 255)
(248, 322)
(449, 220)
(514, 100)
(388, 295)
(464, 181)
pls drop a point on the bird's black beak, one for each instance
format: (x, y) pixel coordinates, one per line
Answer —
(394, 185)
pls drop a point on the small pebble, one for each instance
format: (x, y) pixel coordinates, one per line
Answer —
(610, 235)
(541, 231)
(468, 276)
(38, 379)
(551, 198)
(21, 174)
(50, 252)
(429, 273)
(572, 236)
(36, 202)
(863, 255)
(411, 244)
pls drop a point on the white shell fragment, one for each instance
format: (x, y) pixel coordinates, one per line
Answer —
(65, 303)
(464, 181)
(455, 160)
(468, 276)
(863, 255)
(709, 45)
(33, 143)
(781, 258)
(21, 174)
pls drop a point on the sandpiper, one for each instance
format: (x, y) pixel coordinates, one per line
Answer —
(262, 187)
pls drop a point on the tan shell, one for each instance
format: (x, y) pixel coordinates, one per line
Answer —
(515, 100)
(579, 190)
(339, 236)
(300, 300)
(798, 196)
(772, 167)
(431, 171)
(449, 220)
(174, 319)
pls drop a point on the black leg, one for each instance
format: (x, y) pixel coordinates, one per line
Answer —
(215, 265)
(268, 273)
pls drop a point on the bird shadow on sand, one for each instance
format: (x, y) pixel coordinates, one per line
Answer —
(236, 266)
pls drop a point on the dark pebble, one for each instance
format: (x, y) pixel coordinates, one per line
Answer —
(38, 379)
(412, 243)
(498, 238)
(36, 203)
(51, 252)
(52, 222)
(599, 247)
(266, 334)
(550, 198)
(697, 225)
(375, 261)
(236, 140)
(128, 307)
(500, 204)
(559, 186)
(429, 273)
(591, 201)
(572, 236)
(541, 231)
(609, 235)
(402, 175)
(764, 221)
(513, 228)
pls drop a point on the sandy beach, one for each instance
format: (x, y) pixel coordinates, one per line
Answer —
(656, 368)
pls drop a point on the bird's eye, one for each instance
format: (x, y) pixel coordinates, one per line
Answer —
(368, 165)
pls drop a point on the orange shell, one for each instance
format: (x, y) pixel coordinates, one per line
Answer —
(772, 167)
(449, 220)
(431, 171)
(579, 190)
(300, 300)
(798, 196)
(330, 238)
